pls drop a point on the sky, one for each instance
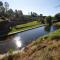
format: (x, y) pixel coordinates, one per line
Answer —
(45, 7)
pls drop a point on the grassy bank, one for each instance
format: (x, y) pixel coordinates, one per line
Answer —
(27, 26)
(44, 48)
(23, 27)
(57, 24)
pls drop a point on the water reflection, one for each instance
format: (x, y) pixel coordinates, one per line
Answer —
(47, 28)
(18, 41)
(50, 28)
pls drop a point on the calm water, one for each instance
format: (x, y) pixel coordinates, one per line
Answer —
(20, 40)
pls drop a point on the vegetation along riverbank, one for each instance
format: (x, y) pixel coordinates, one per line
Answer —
(29, 26)
(25, 27)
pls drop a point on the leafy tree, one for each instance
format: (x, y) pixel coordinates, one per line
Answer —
(49, 20)
(1, 3)
(2, 9)
(57, 17)
(41, 18)
(33, 14)
(18, 14)
(6, 5)
(10, 13)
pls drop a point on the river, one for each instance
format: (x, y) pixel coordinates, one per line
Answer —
(19, 40)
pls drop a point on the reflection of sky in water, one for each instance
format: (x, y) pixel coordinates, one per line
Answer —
(18, 41)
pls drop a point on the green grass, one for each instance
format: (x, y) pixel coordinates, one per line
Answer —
(57, 24)
(55, 35)
(24, 27)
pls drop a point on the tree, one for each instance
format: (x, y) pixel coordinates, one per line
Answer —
(57, 17)
(10, 14)
(41, 18)
(1, 3)
(33, 14)
(49, 20)
(6, 5)
(2, 9)
(18, 14)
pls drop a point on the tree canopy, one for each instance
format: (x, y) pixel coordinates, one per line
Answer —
(1, 3)
(57, 16)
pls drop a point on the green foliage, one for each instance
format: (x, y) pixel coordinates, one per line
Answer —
(55, 35)
(10, 51)
(49, 20)
(1, 3)
(33, 14)
(24, 27)
(2, 11)
(57, 25)
(10, 13)
(18, 14)
(42, 19)
(57, 17)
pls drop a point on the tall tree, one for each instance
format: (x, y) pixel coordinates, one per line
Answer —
(6, 5)
(2, 9)
(41, 18)
(18, 14)
(49, 20)
(33, 14)
(1, 3)
(10, 13)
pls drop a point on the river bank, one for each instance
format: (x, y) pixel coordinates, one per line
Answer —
(41, 48)
(25, 27)
(29, 26)
(22, 28)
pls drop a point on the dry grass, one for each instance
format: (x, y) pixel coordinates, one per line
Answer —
(46, 50)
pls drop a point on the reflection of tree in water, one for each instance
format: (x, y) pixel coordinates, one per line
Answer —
(4, 29)
(4, 34)
(47, 28)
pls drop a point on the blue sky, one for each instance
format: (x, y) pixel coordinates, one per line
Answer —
(45, 7)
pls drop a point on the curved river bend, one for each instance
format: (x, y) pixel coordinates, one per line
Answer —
(22, 39)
